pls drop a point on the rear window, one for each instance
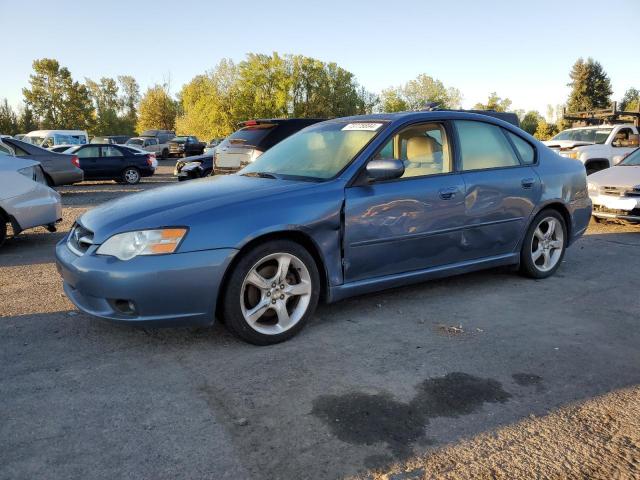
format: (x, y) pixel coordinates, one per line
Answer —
(251, 136)
(135, 141)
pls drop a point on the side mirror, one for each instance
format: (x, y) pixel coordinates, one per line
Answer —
(385, 169)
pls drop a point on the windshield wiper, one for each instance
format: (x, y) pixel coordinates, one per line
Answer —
(260, 174)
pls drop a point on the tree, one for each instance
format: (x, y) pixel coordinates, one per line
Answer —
(129, 100)
(494, 102)
(590, 86)
(416, 94)
(545, 130)
(26, 121)
(8, 119)
(157, 110)
(529, 122)
(107, 104)
(56, 100)
(630, 101)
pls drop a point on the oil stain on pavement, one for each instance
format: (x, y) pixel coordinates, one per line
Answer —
(366, 419)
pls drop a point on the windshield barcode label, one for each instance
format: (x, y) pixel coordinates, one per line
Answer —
(370, 127)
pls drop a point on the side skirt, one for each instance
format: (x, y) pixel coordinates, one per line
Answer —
(369, 285)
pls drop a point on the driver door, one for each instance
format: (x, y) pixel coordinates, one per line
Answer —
(410, 223)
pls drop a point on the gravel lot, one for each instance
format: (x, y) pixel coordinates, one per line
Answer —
(482, 375)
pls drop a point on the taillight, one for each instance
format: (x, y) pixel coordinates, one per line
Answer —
(150, 158)
(76, 161)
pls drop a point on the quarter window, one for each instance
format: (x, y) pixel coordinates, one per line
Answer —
(423, 149)
(484, 146)
(523, 147)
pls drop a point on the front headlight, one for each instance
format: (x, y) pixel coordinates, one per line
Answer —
(126, 246)
(570, 154)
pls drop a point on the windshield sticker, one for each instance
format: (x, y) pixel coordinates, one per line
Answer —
(369, 127)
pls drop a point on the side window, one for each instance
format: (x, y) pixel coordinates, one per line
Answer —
(111, 152)
(88, 152)
(623, 138)
(423, 148)
(525, 150)
(4, 150)
(484, 146)
(153, 141)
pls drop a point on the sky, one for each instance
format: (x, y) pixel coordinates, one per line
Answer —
(521, 50)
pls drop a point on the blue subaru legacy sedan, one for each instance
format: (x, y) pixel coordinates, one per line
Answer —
(343, 207)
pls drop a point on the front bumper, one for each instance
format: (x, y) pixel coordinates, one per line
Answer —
(616, 207)
(167, 290)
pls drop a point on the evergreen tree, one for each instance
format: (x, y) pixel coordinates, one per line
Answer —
(590, 86)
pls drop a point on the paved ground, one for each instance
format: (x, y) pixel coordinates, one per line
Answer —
(439, 378)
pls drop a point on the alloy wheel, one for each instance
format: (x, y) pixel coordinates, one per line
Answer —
(547, 244)
(275, 294)
(131, 176)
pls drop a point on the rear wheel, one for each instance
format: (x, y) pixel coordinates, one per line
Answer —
(206, 173)
(544, 245)
(3, 229)
(131, 176)
(271, 293)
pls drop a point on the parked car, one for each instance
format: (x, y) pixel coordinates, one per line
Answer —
(114, 162)
(150, 144)
(186, 146)
(190, 168)
(52, 138)
(615, 192)
(25, 199)
(213, 143)
(343, 207)
(111, 139)
(598, 147)
(163, 136)
(59, 169)
(253, 139)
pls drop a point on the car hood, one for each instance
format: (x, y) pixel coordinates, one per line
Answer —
(565, 143)
(619, 176)
(173, 205)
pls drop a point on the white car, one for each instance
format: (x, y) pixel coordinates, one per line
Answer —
(615, 192)
(598, 147)
(25, 199)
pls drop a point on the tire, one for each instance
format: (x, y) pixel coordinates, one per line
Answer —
(541, 254)
(293, 305)
(599, 219)
(3, 229)
(206, 173)
(165, 154)
(49, 181)
(131, 176)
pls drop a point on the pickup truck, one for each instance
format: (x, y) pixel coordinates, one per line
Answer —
(597, 147)
(185, 146)
(150, 144)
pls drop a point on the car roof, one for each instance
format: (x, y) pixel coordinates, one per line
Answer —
(431, 115)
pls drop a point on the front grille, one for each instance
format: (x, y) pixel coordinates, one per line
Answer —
(80, 239)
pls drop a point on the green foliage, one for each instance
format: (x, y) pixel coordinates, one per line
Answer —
(157, 110)
(268, 86)
(590, 86)
(417, 93)
(8, 119)
(494, 102)
(129, 99)
(545, 130)
(26, 121)
(56, 100)
(630, 101)
(529, 122)
(115, 112)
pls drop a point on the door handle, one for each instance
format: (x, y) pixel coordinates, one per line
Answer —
(527, 182)
(448, 193)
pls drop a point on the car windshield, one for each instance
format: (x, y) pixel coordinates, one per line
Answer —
(590, 135)
(632, 160)
(318, 152)
(135, 141)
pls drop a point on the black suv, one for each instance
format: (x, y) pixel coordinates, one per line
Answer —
(253, 139)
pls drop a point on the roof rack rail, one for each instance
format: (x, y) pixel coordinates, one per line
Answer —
(603, 115)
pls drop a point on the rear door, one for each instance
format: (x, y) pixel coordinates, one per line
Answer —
(502, 188)
(89, 158)
(112, 162)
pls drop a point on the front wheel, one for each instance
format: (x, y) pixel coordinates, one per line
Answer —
(131, 176)
(544, 245)
(3, 229)
(271, 293)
